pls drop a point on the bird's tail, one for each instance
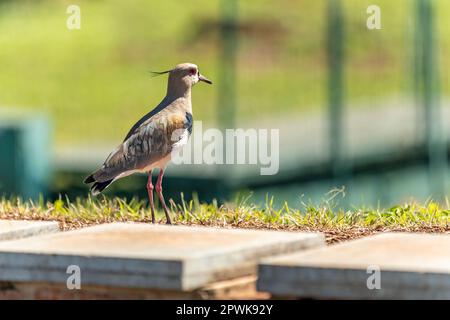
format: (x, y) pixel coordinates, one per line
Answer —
(98, 186)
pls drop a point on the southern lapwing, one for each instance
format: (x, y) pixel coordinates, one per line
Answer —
(154, 137)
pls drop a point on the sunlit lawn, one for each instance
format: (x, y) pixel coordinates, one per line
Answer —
(337, 224)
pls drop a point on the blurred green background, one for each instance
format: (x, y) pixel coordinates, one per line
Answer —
(94, 82)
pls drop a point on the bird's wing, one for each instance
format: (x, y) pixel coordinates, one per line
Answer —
(150, 142)
(146, 118)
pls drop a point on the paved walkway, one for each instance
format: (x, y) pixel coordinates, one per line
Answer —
(145, 261)
(16, 229)
(384, 266)
(158, 258)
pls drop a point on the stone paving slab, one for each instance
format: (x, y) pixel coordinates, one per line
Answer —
(148, 256)
(16, 229)
(411, 266)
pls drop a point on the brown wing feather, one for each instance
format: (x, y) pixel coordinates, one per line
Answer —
(147, 144)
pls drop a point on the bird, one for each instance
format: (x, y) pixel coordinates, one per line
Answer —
(151, 141)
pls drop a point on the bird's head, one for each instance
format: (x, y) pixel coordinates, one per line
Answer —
(188, 73)
(183, 77)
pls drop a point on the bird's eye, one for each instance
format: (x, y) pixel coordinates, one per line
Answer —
(193, 71)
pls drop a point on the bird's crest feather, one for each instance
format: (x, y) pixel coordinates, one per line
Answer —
(158, 73)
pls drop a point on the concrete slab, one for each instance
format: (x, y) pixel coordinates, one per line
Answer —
(16, 229)
(411, 266)
(147, 256)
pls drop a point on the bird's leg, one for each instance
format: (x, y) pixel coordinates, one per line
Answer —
(150, 195)
(161, 197)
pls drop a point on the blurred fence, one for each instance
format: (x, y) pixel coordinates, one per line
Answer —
(323, 93)
(427, 147)
(25, 156)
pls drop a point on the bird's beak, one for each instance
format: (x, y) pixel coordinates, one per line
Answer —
(204, 79)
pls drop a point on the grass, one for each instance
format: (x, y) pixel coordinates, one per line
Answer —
(98, 75)
(336, 224)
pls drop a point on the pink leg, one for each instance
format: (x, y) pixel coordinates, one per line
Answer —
(150, 195)
(161, 197)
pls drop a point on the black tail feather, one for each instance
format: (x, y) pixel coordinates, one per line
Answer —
(98, 187)
(89, 179)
